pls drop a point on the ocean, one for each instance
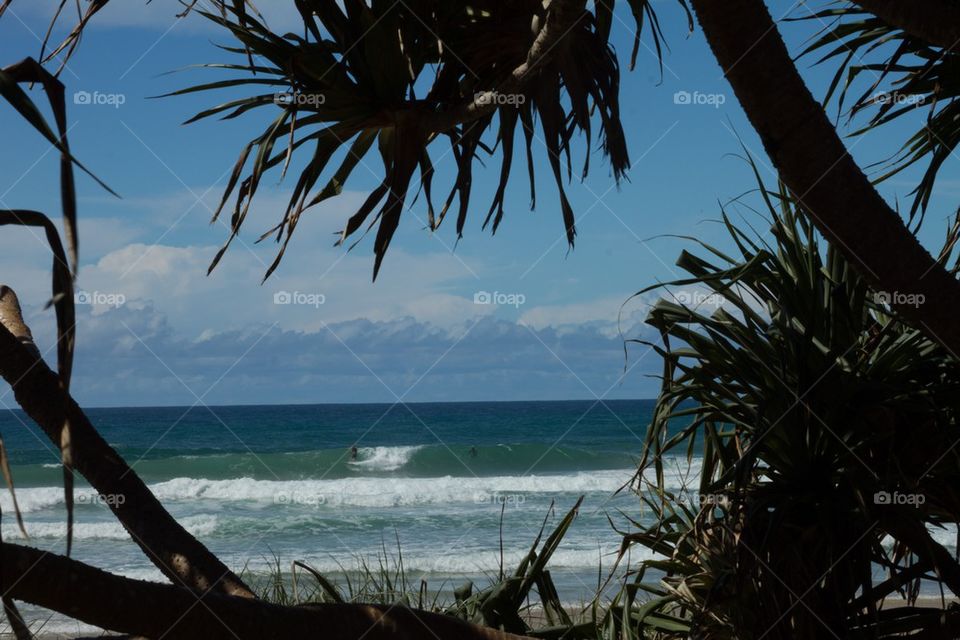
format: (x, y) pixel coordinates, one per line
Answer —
(259, 484)
(262, 485)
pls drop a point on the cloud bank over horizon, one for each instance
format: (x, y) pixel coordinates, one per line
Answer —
(153, 329)
(131, 355)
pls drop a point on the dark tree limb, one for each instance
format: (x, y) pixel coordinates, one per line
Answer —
(155, 610)
(179, 555)
(816, 166)
(562, 17)
(936, 22)
(914, 534)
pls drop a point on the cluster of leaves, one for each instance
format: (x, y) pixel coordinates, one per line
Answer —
(904, 74)
(398, 77)
(805, 398)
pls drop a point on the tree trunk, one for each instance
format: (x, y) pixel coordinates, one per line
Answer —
(165, 611)
(815, 165)
(179, 555)
(936, 22)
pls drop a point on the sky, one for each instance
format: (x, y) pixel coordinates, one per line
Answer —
(154, 329)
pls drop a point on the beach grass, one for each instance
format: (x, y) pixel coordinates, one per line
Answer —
(523, 600)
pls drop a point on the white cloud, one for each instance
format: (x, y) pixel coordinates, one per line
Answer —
(154, 251)
(133, 356)
(174, 280)
(607, 314)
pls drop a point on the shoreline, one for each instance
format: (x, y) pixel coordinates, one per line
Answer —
(534, 616)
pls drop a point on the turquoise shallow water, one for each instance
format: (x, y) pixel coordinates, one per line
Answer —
(259, 482)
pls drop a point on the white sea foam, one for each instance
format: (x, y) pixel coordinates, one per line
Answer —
(370, 492)
(36, 499)
(383, 458)
(201, 525)
(469, 562)
(386, 492)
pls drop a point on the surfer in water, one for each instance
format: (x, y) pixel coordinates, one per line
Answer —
(473, 452)
(353, 453)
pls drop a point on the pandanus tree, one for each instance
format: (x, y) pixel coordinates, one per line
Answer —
(825, 427)
(399, 80)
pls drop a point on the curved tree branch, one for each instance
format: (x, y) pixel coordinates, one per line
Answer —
(179, 555)
(164, 611)
(936, 22)
(912, 533)
(818, 169)
(562, 16)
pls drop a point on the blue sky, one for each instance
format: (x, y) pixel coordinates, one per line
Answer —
(181, 337)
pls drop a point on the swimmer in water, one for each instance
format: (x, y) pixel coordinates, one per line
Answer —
(473, 452)
(353, 453)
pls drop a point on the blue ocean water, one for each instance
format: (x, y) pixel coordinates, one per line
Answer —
(261, 484)
(256, 483)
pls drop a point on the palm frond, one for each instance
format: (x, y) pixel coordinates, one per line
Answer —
(904, 76)
(405, 76)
